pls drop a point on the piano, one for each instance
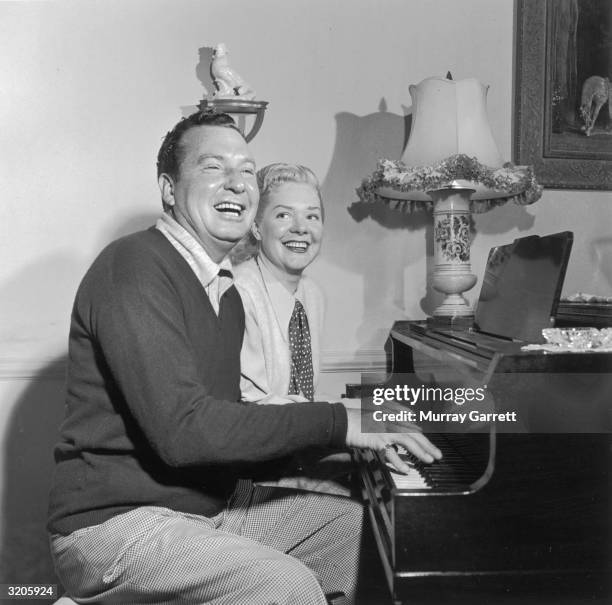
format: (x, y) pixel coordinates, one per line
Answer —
(508, 516)
(515, 512)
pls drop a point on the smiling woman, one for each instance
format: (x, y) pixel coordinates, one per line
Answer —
(289, 228)
(283, 307)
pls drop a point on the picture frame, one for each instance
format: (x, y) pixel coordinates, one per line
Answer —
(560, 44)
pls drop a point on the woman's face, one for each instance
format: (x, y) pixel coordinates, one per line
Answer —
(290, 227)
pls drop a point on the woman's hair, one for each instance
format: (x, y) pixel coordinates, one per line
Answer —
(273, 175)
(269, 178)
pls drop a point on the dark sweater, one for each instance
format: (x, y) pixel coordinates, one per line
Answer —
(152, 415)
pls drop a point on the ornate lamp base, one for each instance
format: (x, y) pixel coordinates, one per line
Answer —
(452, 273)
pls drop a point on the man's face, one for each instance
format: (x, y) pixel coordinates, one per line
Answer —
(215, 195)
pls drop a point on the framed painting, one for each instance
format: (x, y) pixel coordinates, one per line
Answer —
(563, 94)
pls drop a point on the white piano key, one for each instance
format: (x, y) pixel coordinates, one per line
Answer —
(413, 480)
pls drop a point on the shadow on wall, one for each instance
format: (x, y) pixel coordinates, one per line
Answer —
(137, 222)
(382, 256)
(367, 239)
(32, 431)
(203, 70)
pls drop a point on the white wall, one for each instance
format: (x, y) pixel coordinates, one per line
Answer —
(88, 89)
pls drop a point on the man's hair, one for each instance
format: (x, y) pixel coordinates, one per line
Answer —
(170, 153)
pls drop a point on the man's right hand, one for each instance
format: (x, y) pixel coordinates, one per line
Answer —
(413, 440)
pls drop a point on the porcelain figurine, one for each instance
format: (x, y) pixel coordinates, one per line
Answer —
(228, 82)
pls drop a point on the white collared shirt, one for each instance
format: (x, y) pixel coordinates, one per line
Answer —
(268, 306)
(205, 269)
(281, 300)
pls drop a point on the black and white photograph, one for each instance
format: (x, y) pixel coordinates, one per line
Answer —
(306, 302)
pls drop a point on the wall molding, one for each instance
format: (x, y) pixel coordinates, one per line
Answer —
(363, 360)
(333, 361)
(29, 368)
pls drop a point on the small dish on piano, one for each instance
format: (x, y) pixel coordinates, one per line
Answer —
(579, 339)
(581, 297)
(586, 310)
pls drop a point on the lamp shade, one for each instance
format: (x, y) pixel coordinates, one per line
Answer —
(448, 118)
(450, 146)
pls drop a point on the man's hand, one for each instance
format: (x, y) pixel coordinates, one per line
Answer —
(413, 440)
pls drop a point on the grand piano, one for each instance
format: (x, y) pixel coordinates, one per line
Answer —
(510, 515)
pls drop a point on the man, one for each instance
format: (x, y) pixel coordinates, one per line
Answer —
(146, 505)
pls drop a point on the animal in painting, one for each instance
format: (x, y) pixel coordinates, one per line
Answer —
(596, 92)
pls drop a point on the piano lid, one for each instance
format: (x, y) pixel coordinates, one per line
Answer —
(522, 285)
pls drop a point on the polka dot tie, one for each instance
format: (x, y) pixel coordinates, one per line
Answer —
(301, 354)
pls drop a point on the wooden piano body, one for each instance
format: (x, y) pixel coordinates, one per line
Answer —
(528, 517)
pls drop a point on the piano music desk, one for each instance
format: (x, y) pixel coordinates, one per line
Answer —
(507, 518)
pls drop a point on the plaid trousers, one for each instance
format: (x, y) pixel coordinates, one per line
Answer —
(269, 546)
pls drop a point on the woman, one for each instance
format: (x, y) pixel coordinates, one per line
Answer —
(284, 314)
(280, 354)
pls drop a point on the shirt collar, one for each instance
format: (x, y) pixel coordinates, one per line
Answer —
(281, 299)
(192, 251)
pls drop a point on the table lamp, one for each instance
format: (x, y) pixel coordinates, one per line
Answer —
(450, 165)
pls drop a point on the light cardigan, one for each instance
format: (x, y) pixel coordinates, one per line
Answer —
(265, 358)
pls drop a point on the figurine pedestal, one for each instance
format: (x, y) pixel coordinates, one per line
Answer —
(237, 106)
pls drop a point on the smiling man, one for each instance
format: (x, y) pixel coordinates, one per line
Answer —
(212, 192)
(144, 506)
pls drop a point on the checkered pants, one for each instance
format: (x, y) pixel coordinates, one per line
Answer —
(270, 546)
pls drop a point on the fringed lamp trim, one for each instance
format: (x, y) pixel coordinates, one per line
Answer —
(508, 183)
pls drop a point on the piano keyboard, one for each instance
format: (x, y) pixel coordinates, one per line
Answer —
(414, 479)
(457, 469)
